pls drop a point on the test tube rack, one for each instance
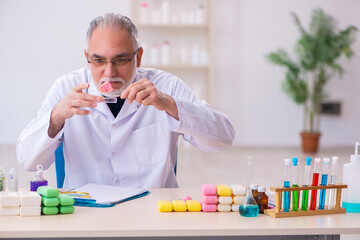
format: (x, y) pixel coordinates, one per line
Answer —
(278, 212)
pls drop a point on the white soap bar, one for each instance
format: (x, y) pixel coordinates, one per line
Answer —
(238, 199)
(9, 211)
(30, 211)
(224, 207)
(235, 207)
(225, 200)
(238, 189)
(9, 199)
(30, 199)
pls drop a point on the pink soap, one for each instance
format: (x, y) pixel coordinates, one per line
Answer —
(105, 87)
(208, 207)
(209, 198)
(208, 189)
(187, 197)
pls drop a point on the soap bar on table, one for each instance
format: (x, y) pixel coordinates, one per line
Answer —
(66, 209)
(47, 191)
(66, 200)
(9, 199)
(30, 199)
(49, 210)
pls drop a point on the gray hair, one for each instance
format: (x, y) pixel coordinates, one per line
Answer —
(113, 21)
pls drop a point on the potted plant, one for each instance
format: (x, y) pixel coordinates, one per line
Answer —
(317, 51)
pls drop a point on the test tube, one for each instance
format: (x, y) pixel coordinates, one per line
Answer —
(286, 184)
(305, 195)
(333, 173)
(324, 177)
(295, 205)
(315, 183)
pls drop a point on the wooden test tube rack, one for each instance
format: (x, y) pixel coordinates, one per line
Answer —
(279, 213)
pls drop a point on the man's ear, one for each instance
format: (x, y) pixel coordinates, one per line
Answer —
(86, 57)
(139, 56)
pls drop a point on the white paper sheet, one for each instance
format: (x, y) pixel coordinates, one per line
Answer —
(104, 194)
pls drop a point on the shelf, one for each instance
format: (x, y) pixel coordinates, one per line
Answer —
(178, 66)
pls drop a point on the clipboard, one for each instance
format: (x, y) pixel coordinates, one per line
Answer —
(104, 196)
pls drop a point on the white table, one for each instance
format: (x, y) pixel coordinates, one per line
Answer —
(140, 217)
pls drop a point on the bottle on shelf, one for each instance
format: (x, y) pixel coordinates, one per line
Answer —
(165, 12)
(144, 13)
(154, 55)
(165, 53)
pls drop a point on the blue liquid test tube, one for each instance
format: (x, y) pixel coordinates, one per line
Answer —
(333, 173)
(324, 177)
(286, 184)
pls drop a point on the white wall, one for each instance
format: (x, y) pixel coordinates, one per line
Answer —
(244, 32)
(42, 40)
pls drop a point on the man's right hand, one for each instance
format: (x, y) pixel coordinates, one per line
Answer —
(70, 106)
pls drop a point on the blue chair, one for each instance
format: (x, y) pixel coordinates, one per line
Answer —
(60, 166)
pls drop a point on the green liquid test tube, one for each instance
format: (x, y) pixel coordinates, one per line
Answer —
(305, 195)
(295, 205)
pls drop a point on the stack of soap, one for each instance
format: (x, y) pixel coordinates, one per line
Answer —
(225, 198)
(209, 199)
(52, 203)
(9, 203)
(30, 204)
(187, 204)
(238, 195)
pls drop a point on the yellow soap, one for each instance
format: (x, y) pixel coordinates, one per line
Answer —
(179, 205)
(193, 206)
(165, 206)
(223, 190)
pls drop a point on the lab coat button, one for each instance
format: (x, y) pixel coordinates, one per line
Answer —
(117, 180)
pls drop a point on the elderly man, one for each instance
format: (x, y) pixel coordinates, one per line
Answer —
(130, 143)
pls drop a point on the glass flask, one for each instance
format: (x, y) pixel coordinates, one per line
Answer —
(249, 207)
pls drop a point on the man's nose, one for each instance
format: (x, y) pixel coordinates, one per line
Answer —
(110, 70)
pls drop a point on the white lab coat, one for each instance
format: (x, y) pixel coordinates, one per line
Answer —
(136, 149)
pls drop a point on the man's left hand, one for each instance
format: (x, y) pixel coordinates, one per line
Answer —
(144, 92)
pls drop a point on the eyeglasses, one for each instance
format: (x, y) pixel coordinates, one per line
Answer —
(117, 62)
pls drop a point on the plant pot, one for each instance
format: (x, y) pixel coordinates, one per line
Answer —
(310, 141)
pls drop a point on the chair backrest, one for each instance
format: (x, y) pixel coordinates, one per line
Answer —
(60, 166)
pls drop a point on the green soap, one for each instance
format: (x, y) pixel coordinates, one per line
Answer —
(50, 201)
(66, 209)
(49, 210)
(47, 191)
(66, 200)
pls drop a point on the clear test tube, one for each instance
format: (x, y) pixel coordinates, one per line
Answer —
(305, 194)
(333, 174)
(286, 184)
